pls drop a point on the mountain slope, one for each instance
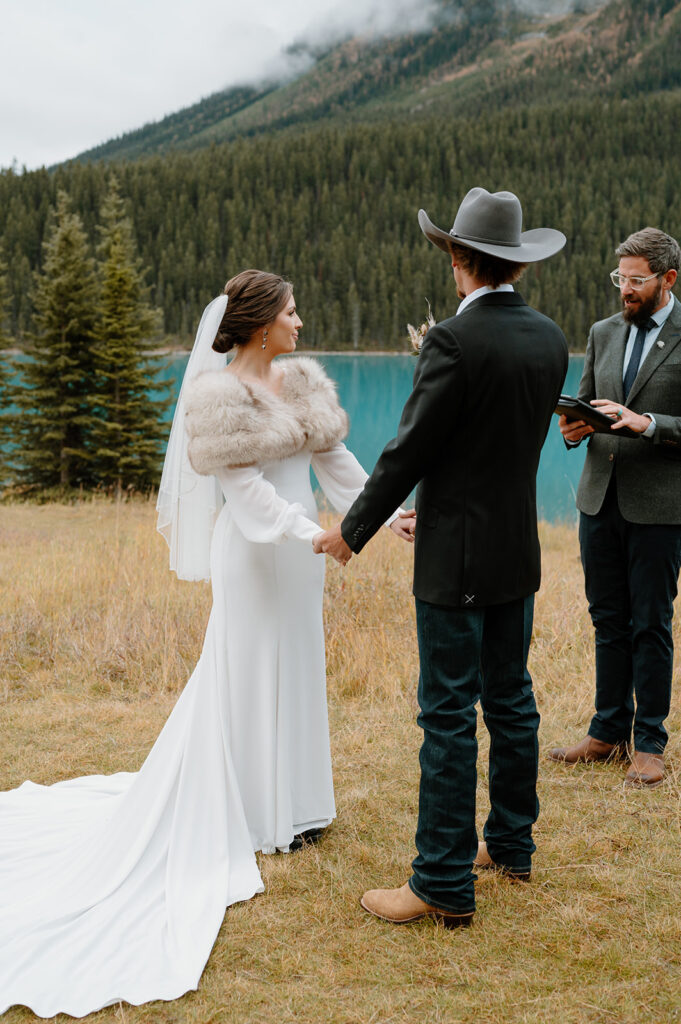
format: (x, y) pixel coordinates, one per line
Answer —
(478, 53)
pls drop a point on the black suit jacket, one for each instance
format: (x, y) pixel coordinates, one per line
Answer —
(486, 384)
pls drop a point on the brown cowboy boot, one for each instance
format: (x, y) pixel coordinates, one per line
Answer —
(483, 862)
(587, 750)
(646, 771)
(400, 906)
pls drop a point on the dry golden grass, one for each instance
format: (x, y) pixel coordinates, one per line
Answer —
(96, 641)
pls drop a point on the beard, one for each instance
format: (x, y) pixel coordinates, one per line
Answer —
(640, 313)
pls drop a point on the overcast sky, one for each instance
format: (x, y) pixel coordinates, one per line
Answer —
(74, 73)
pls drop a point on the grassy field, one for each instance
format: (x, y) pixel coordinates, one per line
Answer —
(96, 641)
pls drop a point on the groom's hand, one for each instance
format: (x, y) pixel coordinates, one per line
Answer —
(331, 543)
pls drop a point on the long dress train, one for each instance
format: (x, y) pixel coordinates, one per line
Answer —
(114, 887)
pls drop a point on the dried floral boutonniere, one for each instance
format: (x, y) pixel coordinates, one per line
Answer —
(417, 334)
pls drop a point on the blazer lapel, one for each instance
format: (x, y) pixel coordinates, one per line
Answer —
(666, 342)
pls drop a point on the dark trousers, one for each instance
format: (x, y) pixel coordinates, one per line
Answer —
(631, 572)
(466, 656)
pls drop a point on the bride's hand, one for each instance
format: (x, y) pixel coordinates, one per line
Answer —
(405, 525)
(330, 542)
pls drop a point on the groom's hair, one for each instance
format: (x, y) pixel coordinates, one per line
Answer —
(489, 270)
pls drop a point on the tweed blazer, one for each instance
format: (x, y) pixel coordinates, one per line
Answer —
(485, 388)
(647, 471)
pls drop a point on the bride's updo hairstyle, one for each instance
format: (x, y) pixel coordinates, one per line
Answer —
(255, 299)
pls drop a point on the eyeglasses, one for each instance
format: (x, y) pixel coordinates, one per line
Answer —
(636, 282)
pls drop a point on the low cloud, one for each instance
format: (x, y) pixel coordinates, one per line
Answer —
(76, 74)
(333, 23)
(375, 20)
(336, 21)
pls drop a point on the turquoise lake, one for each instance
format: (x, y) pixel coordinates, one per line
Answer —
(373, 390)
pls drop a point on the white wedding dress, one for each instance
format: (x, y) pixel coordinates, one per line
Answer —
(114, 887)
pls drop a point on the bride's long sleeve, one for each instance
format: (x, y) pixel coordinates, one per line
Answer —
(262, 516)
(341, 477)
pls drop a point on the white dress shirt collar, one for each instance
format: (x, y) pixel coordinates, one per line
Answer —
(485, 290)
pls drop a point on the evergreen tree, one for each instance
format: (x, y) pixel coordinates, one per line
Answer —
(54, 396)
(4, 317)
(5, 436)
(127, 436)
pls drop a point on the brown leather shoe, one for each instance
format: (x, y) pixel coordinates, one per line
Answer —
(400, 906)
(589, 749)
(483, 862)
(646, 771)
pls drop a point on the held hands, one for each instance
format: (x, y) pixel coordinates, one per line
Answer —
(405, 525)
(330, 542)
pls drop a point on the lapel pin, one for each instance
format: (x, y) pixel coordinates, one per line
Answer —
(660, 344)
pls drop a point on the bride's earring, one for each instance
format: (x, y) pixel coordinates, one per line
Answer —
(264, 339)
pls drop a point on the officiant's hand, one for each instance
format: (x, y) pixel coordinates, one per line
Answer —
(574, 430)
(405, 525)
(331, 543)
(622, 416)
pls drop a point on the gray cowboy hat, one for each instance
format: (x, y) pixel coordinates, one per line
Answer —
(491, 223)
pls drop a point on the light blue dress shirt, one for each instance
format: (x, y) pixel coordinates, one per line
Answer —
(660, 317)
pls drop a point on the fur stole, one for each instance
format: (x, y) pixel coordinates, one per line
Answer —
(232, 422)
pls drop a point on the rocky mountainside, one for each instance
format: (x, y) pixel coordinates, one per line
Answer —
(478, 55)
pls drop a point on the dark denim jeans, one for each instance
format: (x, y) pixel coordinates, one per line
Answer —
(466, 656)
(630, 572)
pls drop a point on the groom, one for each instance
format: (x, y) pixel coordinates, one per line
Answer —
(485, 387)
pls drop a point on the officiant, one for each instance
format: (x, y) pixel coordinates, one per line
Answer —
(629, 500)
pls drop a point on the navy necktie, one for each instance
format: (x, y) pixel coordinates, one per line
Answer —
(635, 358)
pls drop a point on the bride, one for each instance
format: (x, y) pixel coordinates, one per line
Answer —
(114, 887)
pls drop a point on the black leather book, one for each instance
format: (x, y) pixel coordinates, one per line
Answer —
(576, 409)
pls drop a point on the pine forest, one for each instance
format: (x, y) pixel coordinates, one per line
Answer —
(335, 210)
